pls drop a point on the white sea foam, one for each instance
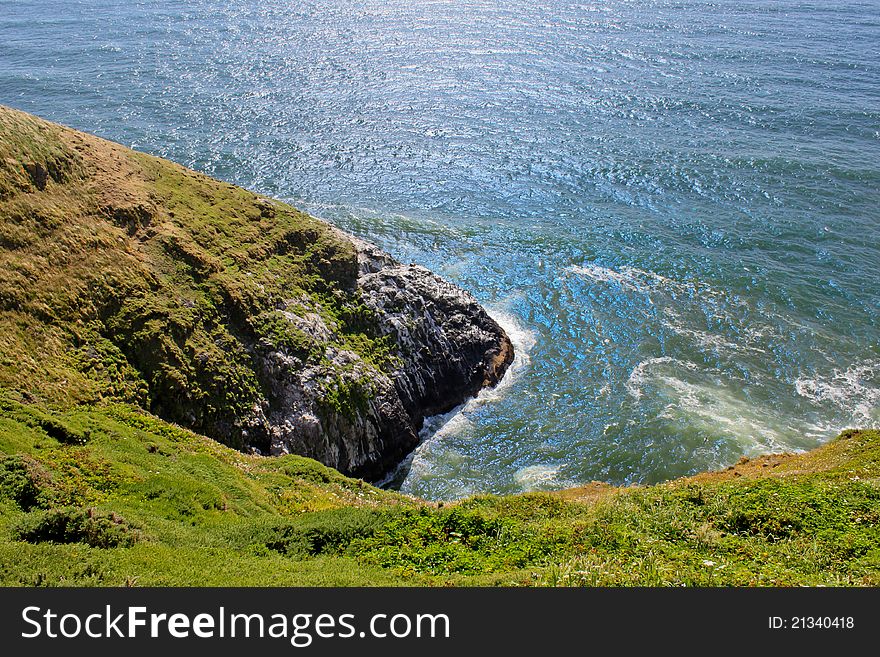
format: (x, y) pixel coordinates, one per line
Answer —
(717, 408)
(854, 391)
(456, 422)
(642, 373)
(447, 424)
(523, 340)
(599, 274)
(632, 277)
(669, 294)
(704, 399)
(644, 281)
(714, 342)
(537, 477)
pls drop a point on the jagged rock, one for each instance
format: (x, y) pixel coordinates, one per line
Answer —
(446, 348)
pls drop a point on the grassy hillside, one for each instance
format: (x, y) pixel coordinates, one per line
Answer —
(108, 495)
(127, 278)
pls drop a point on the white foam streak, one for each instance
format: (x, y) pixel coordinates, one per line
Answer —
(642, 373)
(456, 422)
(855, 391)
(634, 278)
(624, 278)
(701, 398)
(536, 477)
(669, 294)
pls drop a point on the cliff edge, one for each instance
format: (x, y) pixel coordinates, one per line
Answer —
(128, 278)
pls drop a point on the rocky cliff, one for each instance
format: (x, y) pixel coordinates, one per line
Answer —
(444, 349)
(127, 278)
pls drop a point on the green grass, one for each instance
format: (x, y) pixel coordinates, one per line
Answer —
(111, 496)
(188, 509)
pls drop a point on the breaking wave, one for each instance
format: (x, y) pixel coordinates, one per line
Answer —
(456, 422)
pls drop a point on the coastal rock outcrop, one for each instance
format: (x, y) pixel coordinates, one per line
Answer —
(444, 348)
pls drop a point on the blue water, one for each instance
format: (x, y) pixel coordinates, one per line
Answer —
(674, 206)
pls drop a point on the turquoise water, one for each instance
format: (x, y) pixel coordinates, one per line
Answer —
(674, 207)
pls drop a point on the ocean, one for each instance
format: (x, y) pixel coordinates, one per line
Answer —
(673, 206)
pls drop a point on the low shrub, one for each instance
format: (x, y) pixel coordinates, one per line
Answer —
(24, 480)
(71, 525)
(320, 532)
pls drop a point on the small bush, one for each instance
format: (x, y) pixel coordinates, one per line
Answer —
(90, 526)
(63, 432)
(24, 480)
(774, 510)
(321, 532)
(57, 427)
(459, 540)
(181, 497)
(297, 467)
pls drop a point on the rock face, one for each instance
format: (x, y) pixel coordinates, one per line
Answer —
(445, 348)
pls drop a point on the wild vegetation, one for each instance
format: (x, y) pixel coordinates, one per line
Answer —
(109, 495)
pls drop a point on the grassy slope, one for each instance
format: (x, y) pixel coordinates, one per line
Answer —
(129, 283)
(170, 507)
(203, 513)
(125, 277)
